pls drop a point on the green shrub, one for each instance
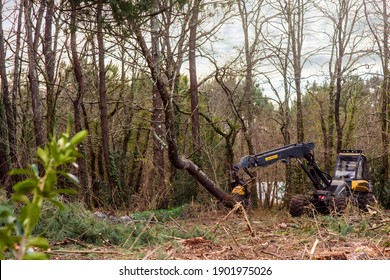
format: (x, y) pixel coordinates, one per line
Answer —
(381, 186)
(39, 186)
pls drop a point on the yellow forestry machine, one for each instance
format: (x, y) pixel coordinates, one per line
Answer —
(350, 183)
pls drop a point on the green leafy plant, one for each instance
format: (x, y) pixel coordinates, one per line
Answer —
(16, 230)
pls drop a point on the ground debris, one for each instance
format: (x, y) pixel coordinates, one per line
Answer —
(352, 251)
(272, 236)
(113, 218)
(191, 242)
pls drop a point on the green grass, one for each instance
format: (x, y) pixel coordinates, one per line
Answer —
(353, 226)
(160, 215)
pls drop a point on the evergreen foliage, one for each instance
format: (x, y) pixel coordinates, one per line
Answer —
(137, 230)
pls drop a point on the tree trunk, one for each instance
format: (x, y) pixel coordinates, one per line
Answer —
(15, 90)
(49, 67)
(195, 124)
(339, 129)
(245, 10)
(137, 168)
(129, 114)
(339, 75)
(77, 107)
(32, 46)
(158, 113)
(330, 121)
(7, 124)
(4, 162)
(103, 102)
(385, 93)
(95, 190)
(296, 22)
(230, 138)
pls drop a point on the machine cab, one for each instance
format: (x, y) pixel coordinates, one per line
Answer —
(351, 166)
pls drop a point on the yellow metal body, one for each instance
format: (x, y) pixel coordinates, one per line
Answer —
(360, 186)
(271, 157)
(240, 190)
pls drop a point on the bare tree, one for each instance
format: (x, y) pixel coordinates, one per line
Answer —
(251, 22)
(78, 102)
(6, 115)
(195, 124)
(294, 13)
(159, 181)
(378, 19)
(16, 84)
(32, 46)
(49, 66)
(103, 100)
(283, 39)
(235, 121)
(345, 38)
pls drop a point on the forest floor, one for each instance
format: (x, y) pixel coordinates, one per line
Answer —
(260, 234)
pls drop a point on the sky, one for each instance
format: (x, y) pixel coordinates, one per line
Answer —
(315, 69)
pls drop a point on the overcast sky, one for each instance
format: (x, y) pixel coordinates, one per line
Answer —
(316, 68)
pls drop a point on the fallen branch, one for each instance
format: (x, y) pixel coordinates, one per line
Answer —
(381, 224)
(247, 221)
(150, 253)
(106, 242)
(271, 254)
(80, 252)
(235, 208)
(78, 242)
(313, 249)
(232, 236)
(178, 224)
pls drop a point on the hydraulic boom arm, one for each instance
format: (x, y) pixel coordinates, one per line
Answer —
(320, 179)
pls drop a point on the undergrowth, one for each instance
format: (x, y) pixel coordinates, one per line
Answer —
(146, 228)
(345, 226)
(161, 215)
(37, 186)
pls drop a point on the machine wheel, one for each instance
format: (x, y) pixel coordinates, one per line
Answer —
(365, 199)
(298, 205)
(337, 205)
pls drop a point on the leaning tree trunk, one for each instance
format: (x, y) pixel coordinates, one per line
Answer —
(178, 161)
